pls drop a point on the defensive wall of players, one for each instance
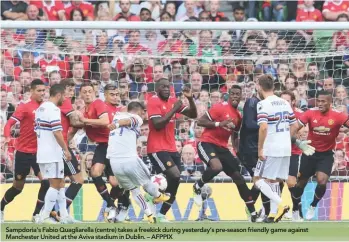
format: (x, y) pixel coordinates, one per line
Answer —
(222, 205)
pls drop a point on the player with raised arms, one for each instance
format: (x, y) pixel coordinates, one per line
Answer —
(97, 117)
(128, 168)
(26, 148)
(221, 123)
(277, 124)
(51, 148)
(161, 147)
(324, 125)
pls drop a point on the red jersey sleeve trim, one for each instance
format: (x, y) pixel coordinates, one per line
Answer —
(346, 123)
(16, 119)
(70, 112)
(102, 114)
(301, 123)
(155, 116)
(184, 108)
(209, 116)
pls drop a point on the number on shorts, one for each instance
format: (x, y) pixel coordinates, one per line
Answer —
(282, 121)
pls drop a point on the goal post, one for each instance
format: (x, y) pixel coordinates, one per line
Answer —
(210, 57)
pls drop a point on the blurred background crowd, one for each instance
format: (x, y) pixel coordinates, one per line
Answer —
(210, 61)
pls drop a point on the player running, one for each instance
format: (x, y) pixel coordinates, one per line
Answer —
(324, 125)
(221, 123)
(97, 117)
(162, 110)
(51, 148)
(26, 148)
(295, 152)
(276, 124)
(129, 169)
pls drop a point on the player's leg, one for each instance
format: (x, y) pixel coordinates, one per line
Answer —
(292, 181)
(231, 167)
(21, 170)
(71, 169)
(168, 164)
(97, 170)
(116, 192)
(141, 202)
(323, 172)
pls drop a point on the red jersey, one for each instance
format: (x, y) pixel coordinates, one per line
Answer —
(51, 10)
(330, 5)
(309, 15)
(323, 128)
(93, 111)
(295, 150)
(218, 113)
(25, 114)
(132, 17)
(86, 8)
(66, 110)
(133, 49)
(164, 139)
(111, 109)
(341, 38)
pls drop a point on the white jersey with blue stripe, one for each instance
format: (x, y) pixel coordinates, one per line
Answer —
(278, 114)
(47, 121)
(123, 140)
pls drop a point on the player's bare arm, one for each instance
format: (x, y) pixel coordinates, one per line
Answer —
(190, 112)
(160, 122)
(60, 140)
(75, 120)
(72, 133)
(127, 122)
(103, 120)
(263, 130)
(205, 122)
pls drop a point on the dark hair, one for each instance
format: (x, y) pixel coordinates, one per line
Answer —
(266, 82)
(290, 93)
(239, 8)
(110, 87)
(171, 2)
(27, 53)
(236, 87)
(80, 11)
(67, 83)
(56, 89)
(324, 93)
(35, 83)
(35, 66)
(313, 64)
(166, 13)
(134, 105)
(343, 15)
(86, 84)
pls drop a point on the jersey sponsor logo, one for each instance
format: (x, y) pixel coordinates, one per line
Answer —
(330, 122)
(322, 130)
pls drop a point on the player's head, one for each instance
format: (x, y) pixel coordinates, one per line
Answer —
(162, 88)
(324, 101)
(69, 87)
(57, 92)
(111, 94)
(265, 85)
(235, 93)
(37, 89)
(289, 97)
(87, 92)
(135, 108)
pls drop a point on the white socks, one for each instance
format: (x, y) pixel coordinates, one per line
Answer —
(273, 205)
(50, 201)
(62, 203)
(266, 189)
(138, 197)
(151, 189)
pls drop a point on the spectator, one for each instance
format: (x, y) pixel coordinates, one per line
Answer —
(176, 77)
(145, 129)
(204, 97)
(309, 13)
(137, 77)
(239, 14)
(290, 82)
(215, 97)
(190, 11)
(302, 89)
(134, 45)
(13, 10)
(30, 44)
(215, 15)
(277, 9)
(85, 8)
(170, 7)
(196, 84)
(189, 167)
(26, 63)
(329, 85)
(166, 17)
(282, 71)
(7, 70)
(158, 72)
(53, 9)
(145, 14)
(75, 34)
(172, 43)
(154, 8)
(86, 164)
(204, 16)
(339, 166)
(125, 6)
(341, 96)
(7, 109)
(334, 8)
(54, 78)
(179, 146)
(206, 49)
(124, 90)
(78, 74)
(33, 13)
(282, 45)
(299, 67)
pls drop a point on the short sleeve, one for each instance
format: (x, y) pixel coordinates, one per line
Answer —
(136, 121)
(54, 118)
(262, 113)
(67, 108)
(214, 112)
(304, 119)
(18, 115)
(325, 6)
(344, 120)
(100, 108)
(154, 109)
(291, 116)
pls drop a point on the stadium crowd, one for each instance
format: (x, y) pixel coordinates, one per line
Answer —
(135, 60)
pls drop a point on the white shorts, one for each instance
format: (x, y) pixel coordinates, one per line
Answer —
(273, 167)
(130, 172)
(52, 170)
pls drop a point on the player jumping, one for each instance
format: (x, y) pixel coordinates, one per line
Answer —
(26, 148)
(129, 169)
(162, 110)
(51, 147)
(324, 124)
(221, 123)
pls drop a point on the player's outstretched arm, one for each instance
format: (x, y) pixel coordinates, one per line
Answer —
(126, 122)
(205, 122)
(160, 122)
(103, 120)
(190, 112)
(75, 120)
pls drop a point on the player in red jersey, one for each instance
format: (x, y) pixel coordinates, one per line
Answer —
(26, 148)
(96, 120)
(161, 145)
(221, 123)
(324, 125)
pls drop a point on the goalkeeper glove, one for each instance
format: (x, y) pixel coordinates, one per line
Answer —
(305, 147)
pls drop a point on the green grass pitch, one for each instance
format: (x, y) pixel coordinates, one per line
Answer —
(178, 231)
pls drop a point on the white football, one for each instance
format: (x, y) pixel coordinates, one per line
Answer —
(160, 181)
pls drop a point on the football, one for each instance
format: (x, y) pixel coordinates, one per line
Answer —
(160, 181)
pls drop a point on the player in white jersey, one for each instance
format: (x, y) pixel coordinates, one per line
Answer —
(275, 118)
(51, 148)
(127, 167)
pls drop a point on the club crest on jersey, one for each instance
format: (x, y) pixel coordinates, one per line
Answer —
(330, 122)
(169, 163)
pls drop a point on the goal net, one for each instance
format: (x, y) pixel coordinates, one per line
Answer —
(301, 57)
